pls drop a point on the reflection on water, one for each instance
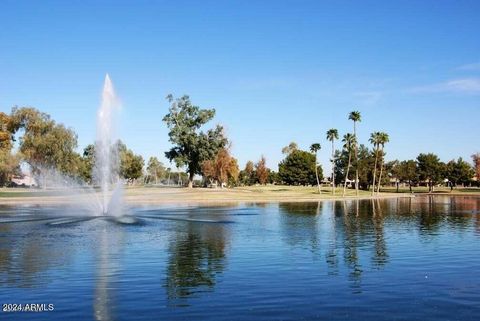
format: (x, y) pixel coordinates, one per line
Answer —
(299, 223)
(106, 263)
(356, 259)
(354, 225)
(196, 258)
(24, 253)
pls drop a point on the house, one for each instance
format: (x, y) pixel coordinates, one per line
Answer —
(25, 180)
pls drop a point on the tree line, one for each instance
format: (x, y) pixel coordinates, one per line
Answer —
(355, 165)
(44, 144)
(207, 153)
(47, 147)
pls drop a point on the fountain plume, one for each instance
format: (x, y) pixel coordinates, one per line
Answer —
(106, 154)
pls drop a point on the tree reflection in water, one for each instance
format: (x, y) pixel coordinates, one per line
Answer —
(350, 229)
(299, 222)
(347, 227)
(197, 257)
(331, 256)
(23, 259)
(380, 257)
(351, 240)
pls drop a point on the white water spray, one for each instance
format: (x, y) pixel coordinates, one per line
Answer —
(106, 154)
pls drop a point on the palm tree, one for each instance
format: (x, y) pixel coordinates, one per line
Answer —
(382, 141)
(349, 142)
(332, 134)
(314, 149)
(375, 140)
(355, 117)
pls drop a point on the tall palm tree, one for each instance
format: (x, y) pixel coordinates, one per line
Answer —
(349, 141)
(383, 140)
(375, 141)
(356, 118)
(314, 149)
(332, 135)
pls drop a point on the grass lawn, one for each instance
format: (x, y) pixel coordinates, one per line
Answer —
(271, 193)
(439, 190)
(17, 192)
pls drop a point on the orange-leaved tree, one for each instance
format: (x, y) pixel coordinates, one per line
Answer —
(262, 170)
(221, 169)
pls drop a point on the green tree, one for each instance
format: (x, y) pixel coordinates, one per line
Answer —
(131, 165)
(430, 169)
(155, 169)
(45, 145)
(6, 134)
(191, 146)
(349, 144)
(406, 172)
(314, 148)
(298, 168)
(273, 177)
(356, 117)
(365, 164)
(458, 172)
(248, 176)
(476, 166)
(341, 161)
(383, 139)
(9, 162)
(332, 135)
(88, 162)
(9, 166)
(290, 148)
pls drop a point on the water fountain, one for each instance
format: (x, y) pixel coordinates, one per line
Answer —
(105, 171)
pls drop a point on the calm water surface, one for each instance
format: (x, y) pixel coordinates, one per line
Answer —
(394, 259)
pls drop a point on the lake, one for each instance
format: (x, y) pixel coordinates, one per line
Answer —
(389, 259)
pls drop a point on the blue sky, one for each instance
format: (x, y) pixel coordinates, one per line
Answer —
(276, 71)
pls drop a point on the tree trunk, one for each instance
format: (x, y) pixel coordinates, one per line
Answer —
(333, 168)
(316, 175)
(356, 157)
(397, 185)
(348, 170)
(410, 185)
(380, 176)
(375, 170)
(190, 179)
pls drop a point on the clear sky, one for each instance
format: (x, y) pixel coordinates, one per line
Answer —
(276, 71)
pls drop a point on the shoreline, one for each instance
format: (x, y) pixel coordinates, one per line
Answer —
(171, 196)
(259, 200)
(182, 199)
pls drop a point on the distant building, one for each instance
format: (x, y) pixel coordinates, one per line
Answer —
(25, 180)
